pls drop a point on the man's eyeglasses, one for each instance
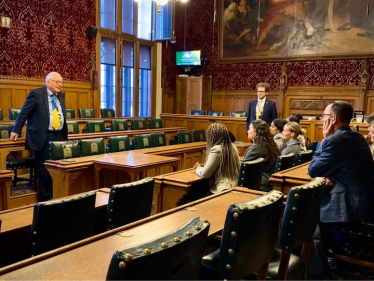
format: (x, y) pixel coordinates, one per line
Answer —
(326, 115)
(261, 91)
(57, 81)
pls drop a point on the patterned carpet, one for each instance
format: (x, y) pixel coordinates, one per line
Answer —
(23, 187)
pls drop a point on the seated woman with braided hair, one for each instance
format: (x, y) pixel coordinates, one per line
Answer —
(263, 146)
(222, 159)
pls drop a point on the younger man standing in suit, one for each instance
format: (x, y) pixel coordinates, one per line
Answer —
(44, 110)
(261, 108)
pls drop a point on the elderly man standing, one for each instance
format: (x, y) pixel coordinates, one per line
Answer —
(344, 158)
(44, 110)
(262, 107)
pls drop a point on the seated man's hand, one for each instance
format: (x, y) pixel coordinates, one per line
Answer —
(329, 183)
(13, 136)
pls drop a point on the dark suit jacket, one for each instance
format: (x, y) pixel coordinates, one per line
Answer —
(269, 112)
(36, 111)
(345, 159)
(254, 152)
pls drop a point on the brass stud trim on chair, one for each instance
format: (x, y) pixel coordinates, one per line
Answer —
(34, 233)
(231, 251)
(128, 257)
(228, 267)
(147, 251)
(176, 239)
(233, 234)
(164, 245)
(206, 221)
(122, 265)
(188, 233)
(197, 227)
(292, 222)
(297, 195)
(236, 215)
(294, 209)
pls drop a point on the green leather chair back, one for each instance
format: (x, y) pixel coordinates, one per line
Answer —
(70, 113)
(119, 125)
(215, 113)
(156, 123)
(143, 141)
(92, 147)
(138, 124)
(197, 112)
(13, 113)
(199, 135)
(95, 126)
(5, 131)
(159, 139)
(129, 202)
(1, 114)
(108, 113)
(303, 157)
(184, 137)
(178, 258)
(284, 162)
(238, 114)
(64, 149)
(86, 113)
(73, 127)
(118, 143)
(250, 173)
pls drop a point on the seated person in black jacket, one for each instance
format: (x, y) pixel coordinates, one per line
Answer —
(263, 146)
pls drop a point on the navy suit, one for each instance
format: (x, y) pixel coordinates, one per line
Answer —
(269, 112)
(36, 111)
(345, 159)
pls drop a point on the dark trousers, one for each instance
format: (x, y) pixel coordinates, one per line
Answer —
(44, 178)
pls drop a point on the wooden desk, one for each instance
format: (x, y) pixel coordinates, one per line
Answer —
(89, 259)
(16, 228)
(6, 146)
(133, 164)
(285, 180)
(175, 189)
(71, 178)
(237, 125)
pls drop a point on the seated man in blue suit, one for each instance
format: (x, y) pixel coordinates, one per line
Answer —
(262, 107)
(344, 158)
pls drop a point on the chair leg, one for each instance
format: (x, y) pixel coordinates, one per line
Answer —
(263, 272)
(31, 179)
(305, 255)
(283, 265)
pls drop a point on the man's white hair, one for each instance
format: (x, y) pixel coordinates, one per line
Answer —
(49, 76)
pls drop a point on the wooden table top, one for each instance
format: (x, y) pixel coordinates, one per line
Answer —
(91, 258)
(134, 160)
(299, 172)
(21, 217)
(183, 177)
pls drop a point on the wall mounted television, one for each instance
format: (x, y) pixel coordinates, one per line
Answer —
(188, 58)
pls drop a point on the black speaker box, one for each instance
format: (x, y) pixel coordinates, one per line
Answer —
(92, 32)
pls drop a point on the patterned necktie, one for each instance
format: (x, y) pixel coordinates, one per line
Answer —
(259, 109)
(55, 117)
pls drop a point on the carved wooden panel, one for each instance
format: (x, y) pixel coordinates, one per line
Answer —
(313, 100)
(13, 94)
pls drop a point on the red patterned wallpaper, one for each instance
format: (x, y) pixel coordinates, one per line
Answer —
(45, 38)
(202, 34)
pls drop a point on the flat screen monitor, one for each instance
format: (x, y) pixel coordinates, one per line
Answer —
(188, 58)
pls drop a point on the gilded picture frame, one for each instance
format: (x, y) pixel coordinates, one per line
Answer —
(286, 30)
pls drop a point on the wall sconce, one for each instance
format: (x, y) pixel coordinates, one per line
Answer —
(5, 22)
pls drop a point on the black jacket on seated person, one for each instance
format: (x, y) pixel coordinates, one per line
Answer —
(254, 152)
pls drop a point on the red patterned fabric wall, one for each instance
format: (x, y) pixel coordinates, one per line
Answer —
(47, 36)
(201, 34)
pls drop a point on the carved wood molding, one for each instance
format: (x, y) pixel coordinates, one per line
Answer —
(8, 79)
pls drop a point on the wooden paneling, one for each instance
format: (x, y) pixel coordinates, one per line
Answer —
(237, 125)
(13, 94)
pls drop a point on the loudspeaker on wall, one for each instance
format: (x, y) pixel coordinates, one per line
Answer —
(92, 32)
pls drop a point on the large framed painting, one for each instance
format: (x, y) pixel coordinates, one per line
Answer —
(276, 30)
